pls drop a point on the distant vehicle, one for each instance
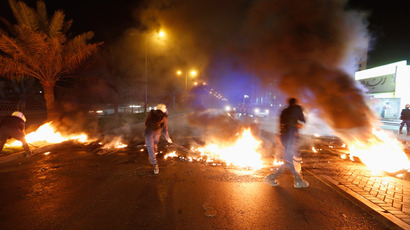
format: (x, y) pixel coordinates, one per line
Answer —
(260, 111)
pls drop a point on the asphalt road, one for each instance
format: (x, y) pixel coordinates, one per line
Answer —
(72, 188)
(75, 188)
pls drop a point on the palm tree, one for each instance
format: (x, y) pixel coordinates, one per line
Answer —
(37, 47)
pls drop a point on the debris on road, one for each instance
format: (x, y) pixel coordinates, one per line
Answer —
(209, 211)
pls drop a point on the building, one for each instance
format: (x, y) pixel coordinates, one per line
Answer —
(388, 88)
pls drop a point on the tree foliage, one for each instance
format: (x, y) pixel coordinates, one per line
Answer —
(37, 47)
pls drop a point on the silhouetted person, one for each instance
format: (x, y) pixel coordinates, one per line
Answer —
(290, 119)
(405, 117)
(13, 126)
(156, 123)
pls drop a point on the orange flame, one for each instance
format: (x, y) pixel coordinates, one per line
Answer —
(382, 152)
(48, 134)
(242, 153)
(114, 145)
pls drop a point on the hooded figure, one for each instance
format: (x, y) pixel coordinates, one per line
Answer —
(13, 126)
(156, 123)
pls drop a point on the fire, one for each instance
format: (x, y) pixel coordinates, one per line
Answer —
(243, 152)
(172, 154)
(314, 150)
(382, 152)
(48, 134)
(114, 145)
(278, 163)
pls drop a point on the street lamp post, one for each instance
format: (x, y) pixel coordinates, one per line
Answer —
(159, 35)
(146, 74)
(193, 73)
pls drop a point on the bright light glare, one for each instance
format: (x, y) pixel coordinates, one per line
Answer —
(161, 34)
(193, 73)
(228, 108)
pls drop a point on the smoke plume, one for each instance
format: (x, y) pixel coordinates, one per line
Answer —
(307, 46)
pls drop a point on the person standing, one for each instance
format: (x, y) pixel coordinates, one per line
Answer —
(290, 123)
(405, 117)
(155, 124)
(13, 126)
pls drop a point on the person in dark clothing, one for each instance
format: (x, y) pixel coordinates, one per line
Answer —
(156, 123)
(405, 117)
(13, 126)
(290, 119)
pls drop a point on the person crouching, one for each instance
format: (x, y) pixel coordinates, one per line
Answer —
(13, 126)
(156, 123)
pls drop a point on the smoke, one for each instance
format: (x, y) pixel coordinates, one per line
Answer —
(215, 125)
(308, 47)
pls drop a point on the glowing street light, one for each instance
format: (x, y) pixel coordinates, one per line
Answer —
(161, 34)
(192, 73)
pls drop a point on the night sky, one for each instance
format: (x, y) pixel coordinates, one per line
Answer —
(390, 28)
(388, 22)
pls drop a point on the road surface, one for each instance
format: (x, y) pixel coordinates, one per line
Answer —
(74, 187)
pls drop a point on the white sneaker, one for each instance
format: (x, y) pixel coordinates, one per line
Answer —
(300, 183)
(156, 169)
(270, 180)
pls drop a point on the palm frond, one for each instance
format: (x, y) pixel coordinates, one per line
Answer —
(24, 14)
(27, 48)
(78, 50)
(13, 69)
(56, 24)
(16, 12)
(42, 16)
(7, 24)
(67, 25)
(9, 46)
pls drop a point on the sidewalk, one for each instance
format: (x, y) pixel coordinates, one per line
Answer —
(386, 196)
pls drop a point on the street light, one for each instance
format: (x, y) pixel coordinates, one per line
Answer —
(193, 73)
(161, 34)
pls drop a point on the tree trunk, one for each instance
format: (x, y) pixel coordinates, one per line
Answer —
(48, 88)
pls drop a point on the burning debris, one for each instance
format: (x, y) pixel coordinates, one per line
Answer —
(308, 47)
(386, 154)
(243, 152)
(382, 152)
(48, 134)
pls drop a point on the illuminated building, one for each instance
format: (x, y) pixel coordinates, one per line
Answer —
(388, 88)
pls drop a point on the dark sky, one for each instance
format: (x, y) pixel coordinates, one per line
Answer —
(390, 28)
(389, 24)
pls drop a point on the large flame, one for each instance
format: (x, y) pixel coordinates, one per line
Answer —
(381, 153)
(49, 135)
(243, 152)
